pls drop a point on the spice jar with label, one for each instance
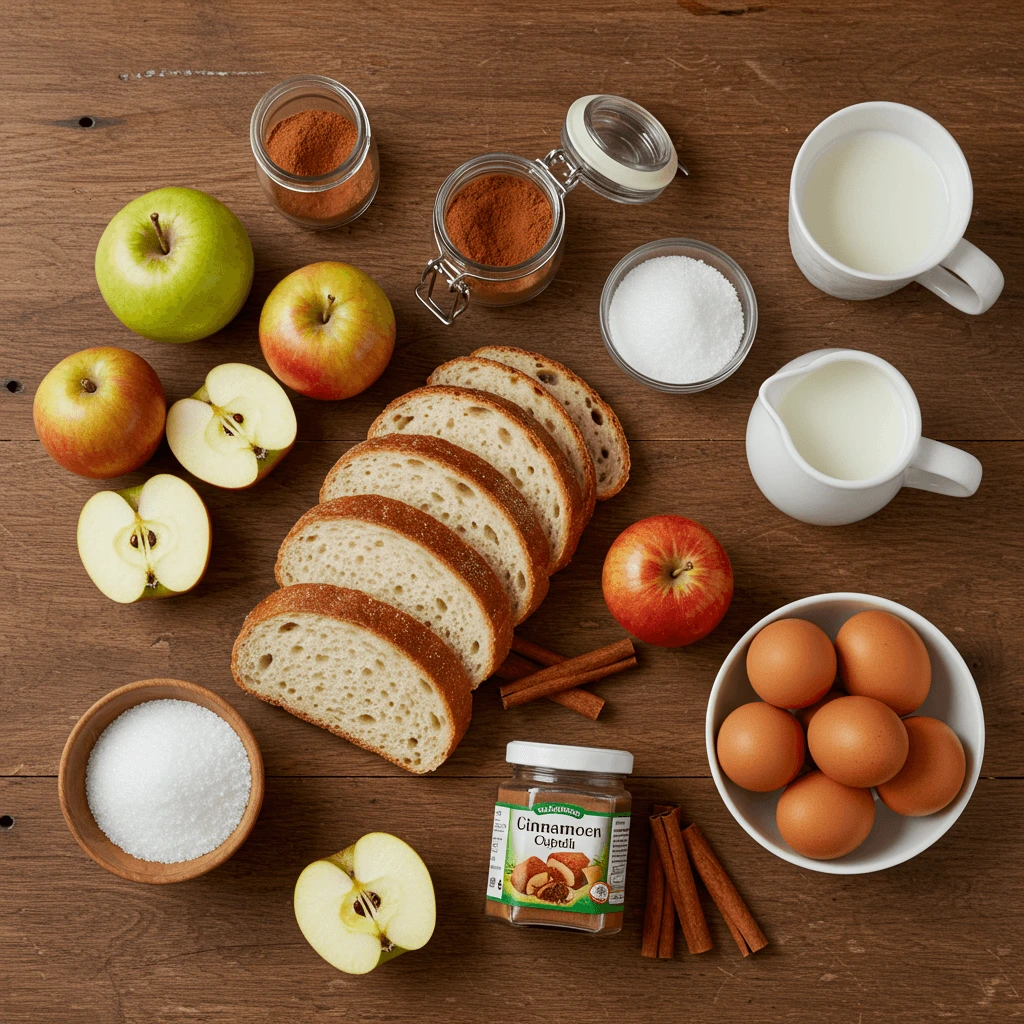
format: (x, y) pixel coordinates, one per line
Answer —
(316, 157)
(499, 219)
(560, 838)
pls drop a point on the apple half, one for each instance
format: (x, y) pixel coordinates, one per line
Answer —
(147, 541)
(235, 429)
(366, 905)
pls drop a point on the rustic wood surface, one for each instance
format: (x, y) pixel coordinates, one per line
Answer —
(169, 88)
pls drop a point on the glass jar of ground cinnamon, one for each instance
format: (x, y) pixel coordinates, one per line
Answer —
(499, 219)
(316, 157)
(560, 838)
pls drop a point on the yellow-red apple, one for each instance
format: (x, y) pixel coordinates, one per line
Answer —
(327, 330)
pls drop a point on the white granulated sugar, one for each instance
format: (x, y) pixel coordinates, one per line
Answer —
(168, 781)
(676, 319)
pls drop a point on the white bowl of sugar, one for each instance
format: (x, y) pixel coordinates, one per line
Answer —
(678, 315)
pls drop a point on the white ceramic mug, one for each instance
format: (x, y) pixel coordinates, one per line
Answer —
(795, 487)
(955, 270)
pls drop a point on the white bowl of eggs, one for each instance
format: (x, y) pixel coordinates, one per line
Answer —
(886, 769)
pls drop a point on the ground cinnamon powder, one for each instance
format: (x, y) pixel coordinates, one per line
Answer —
(499, 220)
(311, 142)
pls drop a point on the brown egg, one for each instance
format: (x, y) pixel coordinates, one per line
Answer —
(791, 663)
(882, 656)
(933, 772)
(804, 715)
(822, 818)
(760, 747)
(857, 741)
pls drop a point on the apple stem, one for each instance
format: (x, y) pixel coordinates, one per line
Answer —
(676, 573)
(155, 218)
(327, 311)
(88, 385)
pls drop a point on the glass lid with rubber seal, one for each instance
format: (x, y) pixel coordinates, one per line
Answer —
(616, 148)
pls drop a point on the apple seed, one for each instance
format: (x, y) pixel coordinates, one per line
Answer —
(238, 417)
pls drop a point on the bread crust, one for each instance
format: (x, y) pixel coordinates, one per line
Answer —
(418, 643)
(588, 486)
(494, 352)
(427, 532)
(572, 498)
(482, 475)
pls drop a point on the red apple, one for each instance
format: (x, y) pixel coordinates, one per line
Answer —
(100, 412)
(327, 330)
(667, 580)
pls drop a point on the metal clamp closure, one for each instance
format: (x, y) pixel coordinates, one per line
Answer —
(457, 285)
(568, 176)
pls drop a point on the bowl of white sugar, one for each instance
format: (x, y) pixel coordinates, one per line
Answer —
(678, 315)
(161, 781)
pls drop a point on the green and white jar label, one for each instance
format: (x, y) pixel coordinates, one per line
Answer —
(558, 856)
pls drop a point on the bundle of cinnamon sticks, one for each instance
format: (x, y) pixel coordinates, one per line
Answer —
(561, 679)
(672, 892)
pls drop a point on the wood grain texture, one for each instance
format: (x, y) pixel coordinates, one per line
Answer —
(738, 86)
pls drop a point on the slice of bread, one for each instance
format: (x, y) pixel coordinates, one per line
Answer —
(597, 421)
(462, 491)
(402, 556)
(358, 667)
(501, 433)
(532, 397)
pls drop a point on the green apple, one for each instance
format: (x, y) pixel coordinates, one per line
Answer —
(100, 412)
(366, 905)
(174, 265)
(234, 429)
(327, 330)
(147, 541)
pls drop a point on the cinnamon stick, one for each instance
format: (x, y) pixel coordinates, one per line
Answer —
(541, 655)
(651, 943)
(533, 687)
(679, 877)
(515, 666)
(667, 933)
(603, 656)
(737, 916)
(659, 937)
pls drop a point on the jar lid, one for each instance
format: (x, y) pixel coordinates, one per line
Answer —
(573, 759)
(622, 150)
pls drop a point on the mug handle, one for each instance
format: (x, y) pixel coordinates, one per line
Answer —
(943, 469)
(966, 278)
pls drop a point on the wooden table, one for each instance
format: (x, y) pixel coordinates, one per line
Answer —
(166, 91)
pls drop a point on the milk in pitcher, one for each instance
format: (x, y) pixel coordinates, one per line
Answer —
(846, 419)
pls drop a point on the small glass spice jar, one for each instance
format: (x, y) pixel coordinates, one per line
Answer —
(614, 146)
(560, 838)
(326, 200)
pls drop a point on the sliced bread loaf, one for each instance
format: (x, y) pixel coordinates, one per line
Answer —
(402, 556)
(358, 667)
(532, 397)
(597, 422)
(462, 491)
(501, 433)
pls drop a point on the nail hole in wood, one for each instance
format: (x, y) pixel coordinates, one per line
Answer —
(86, 122)
(6, 822)
(14, 386)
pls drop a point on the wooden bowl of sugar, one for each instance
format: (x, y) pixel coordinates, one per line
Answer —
(137, 767)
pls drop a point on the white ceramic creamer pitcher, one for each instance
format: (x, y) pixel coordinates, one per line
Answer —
(836, 433)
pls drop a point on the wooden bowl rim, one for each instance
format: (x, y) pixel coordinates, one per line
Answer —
(154, 872)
